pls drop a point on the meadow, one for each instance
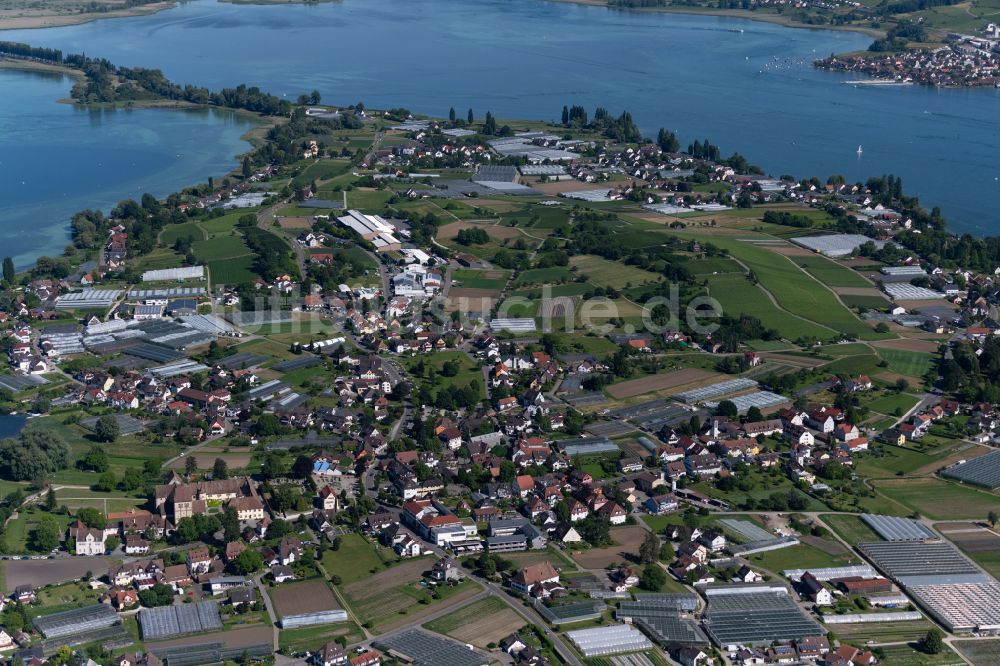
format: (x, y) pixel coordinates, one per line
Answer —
(793, 289)
(910, 363)
(830, 272)
(939, 499)
(738, 296)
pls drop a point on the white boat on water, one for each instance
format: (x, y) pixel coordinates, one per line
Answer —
(860, 150)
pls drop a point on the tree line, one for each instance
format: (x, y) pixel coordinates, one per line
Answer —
(106, 82)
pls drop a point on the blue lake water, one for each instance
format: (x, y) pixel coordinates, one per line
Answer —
(754, 91)
(56, 159)
(11, 425)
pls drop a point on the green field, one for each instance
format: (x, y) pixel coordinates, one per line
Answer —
(989, 560)
(980, 653)
(432, 378)
(849, 349)
(460, 616)
(368, 200)
(355, 559)
(544, 276)
(227, 246)
(802, 556)
(159, 258)
(476, 279)
(172, 232)
(894, 460)
(888, 404)
(794, 289)
(711, 265)
(882, 632)
(313, 638)
(738, 296)
(830, 272)
(851, 529)
(909, 655)
(854, 365)
(232, 271)
(909, 363)
(939, 499)
(217, 226)
(603, 273)
(322, 170)
(517, 308)
(18, 532)
(864, 302)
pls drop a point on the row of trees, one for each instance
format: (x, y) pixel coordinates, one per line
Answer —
(618, 128)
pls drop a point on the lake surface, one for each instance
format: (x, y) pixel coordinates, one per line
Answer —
(56, 159)
(754, 91)
(11, 425)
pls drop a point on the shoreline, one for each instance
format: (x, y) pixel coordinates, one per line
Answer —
(40, 67)
(728, 13)
(254, 137)
(62, 20)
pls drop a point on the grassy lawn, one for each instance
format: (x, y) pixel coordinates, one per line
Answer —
(175, 231)
(125, 454)
(159, 258)
(910, 363)
(603, 273)
(368, 200)
(794, 290)
(476, 279)
(738, 296)
(851, 529)
(518, 308)
(432, 377)
(355, 559)
(894, 460)
(854, 365)
(980, 653)
(544, 276)
(802, 556)
(848, 349)
(303, 375)
(909, 655)
(19, 531)
(593, 345)
(224, 223)
(66, 596)
(322, 170)
(233, 271)
(765, 486)
(888, 404)
(939, 499)
(712, 265)
(864, 302)
(220, 247)
(460, 616)
(313, 638)
(881, 632)
(989, 560)
(830, 272)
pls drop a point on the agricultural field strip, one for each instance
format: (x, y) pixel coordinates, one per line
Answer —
(794, 289)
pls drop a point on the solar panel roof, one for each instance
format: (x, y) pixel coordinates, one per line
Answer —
(892, 528)
(917, 558)
(756, 616)
(982, 471)
(427, 650)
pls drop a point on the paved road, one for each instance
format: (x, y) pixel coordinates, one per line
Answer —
(191, 452)
(270, 611)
